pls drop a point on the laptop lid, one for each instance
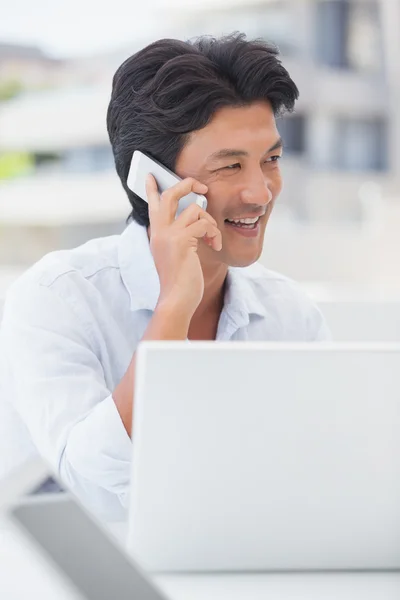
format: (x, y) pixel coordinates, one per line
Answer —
(83, 560)
(262, 456)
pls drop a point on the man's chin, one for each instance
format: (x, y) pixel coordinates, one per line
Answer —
(234, 258)
(242, 255)
(242, 261)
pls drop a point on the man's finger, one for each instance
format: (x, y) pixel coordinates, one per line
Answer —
(191, 214)
(203, 228)
(170, 198)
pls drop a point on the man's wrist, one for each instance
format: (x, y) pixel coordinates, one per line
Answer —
(172, 319)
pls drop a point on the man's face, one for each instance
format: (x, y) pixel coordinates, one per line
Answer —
(236, 156)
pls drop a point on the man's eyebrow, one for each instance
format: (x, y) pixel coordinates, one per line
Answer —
(231, 153)
(277, 146)
(227, 153)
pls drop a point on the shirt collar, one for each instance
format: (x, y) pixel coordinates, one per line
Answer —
(140, 278)
(137, 267)
(241, 298)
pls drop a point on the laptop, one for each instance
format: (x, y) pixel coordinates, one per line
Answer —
(266, 457)
(76, 558)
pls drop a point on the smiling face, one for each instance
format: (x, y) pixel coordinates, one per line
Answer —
(237, 156)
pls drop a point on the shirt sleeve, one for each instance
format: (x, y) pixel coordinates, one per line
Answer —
(60, 391)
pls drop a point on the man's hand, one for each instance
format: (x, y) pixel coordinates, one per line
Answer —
(174, 243)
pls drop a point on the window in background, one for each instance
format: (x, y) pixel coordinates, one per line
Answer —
(364, 37)
(331, 28)
(361, 144)
(348, 34)
(88, 159)
(275, 24)
(271, 21)
(292, 129)
(46, 161)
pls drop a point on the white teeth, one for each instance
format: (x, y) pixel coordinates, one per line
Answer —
(244, 221)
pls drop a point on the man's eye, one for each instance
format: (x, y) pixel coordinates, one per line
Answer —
(232, 167)
(273, 158)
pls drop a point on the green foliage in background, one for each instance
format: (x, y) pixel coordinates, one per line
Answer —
(13, 164)
(9, 89)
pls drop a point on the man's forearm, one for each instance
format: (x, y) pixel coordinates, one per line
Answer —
(167, 323)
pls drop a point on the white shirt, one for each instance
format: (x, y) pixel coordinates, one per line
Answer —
(70, 327)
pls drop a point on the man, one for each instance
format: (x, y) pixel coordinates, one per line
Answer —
(72, 323)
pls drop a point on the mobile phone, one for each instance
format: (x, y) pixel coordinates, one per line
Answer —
(142, 164)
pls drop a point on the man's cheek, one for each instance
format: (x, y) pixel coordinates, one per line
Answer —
(277, 186)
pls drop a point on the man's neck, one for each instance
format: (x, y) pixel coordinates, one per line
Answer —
(214, 291)
(204, 323)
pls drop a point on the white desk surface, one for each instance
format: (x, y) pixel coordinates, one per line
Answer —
(283, 586)
(20, 580)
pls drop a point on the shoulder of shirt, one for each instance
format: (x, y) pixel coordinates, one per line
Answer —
(86, 260)
(285, 298)
(270, 282)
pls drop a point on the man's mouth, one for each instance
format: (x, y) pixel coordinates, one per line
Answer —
(243, 223)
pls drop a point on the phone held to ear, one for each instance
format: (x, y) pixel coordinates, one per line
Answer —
(142, 164)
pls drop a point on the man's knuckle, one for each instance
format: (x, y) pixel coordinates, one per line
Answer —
(164, 195)
(194, 209)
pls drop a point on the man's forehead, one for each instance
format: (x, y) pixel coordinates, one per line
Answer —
(232, 152)
(233, 131)
(228, 117)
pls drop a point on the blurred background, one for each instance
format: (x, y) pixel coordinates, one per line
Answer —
(336, 227)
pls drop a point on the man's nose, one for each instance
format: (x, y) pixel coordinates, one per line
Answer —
(257, 192)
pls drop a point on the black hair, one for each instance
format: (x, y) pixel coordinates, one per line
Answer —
(171, 88)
